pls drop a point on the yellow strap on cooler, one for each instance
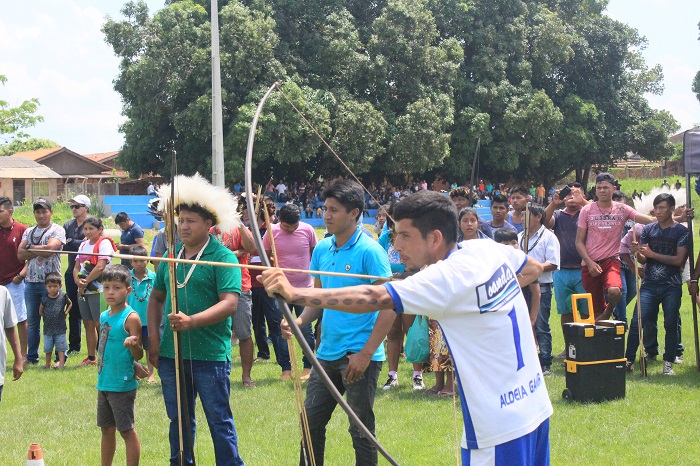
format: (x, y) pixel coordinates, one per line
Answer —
(574, 308)
(572, 366)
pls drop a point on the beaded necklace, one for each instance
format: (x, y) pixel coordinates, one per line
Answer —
(146, 294)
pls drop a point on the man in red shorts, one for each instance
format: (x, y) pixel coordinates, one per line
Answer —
(598, 235)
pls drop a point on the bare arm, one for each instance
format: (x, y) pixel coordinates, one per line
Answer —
(53, 244)
(357, 363)
(154, 315)
(548, 220)
(593, 268)
(69, 305)
(360, 299)
(677, 260)
(530, 272)
(133, 341)
(247, 240)
(13, 339)
(96, 271)
(643, 219)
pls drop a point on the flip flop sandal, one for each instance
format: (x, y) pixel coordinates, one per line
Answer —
(445, 394)
(431, 391)
(249, 384)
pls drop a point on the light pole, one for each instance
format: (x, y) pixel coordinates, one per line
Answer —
(217, 139)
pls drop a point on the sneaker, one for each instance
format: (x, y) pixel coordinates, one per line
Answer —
(546, 370)
(679, 360)
(391, 382)
(418, 383)
(72, 351)
(561, 355)
(650, 358)
(629, 367)
(668, 368)
(88, 362)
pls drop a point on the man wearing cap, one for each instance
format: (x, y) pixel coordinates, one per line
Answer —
(45, 236)
(80, 206)
(598, 235)
(12, 270)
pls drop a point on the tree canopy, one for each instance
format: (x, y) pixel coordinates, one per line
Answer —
(21, 145)
(13, 120)
(397, 87)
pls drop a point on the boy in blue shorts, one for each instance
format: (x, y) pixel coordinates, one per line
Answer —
(118, 347)
(142, 279)
(54, 308)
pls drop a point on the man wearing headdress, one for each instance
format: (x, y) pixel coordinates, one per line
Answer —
(204, 317)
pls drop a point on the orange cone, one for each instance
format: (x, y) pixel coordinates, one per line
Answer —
(35, 456)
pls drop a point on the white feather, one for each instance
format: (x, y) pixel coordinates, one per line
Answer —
(197, 190)
(645, 203)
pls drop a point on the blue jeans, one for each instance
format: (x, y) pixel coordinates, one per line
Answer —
(542, 330)
(33, 292)
(651, 295)
(629, 292)
(308, 332)
(265, 309)
(320, 404)
(211, 381)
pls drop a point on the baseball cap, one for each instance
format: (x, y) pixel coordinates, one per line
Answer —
(605, 177)
(42, 204)
(81, 199)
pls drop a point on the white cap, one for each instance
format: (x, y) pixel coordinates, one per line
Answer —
(81, 199)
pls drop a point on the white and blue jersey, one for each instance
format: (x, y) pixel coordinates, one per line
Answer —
(475, 296)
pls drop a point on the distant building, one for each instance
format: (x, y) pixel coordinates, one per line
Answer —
(22, 178)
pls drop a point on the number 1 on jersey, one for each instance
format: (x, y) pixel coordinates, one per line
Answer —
(516, 338)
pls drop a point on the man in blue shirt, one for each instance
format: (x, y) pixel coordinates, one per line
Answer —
(350, 348)
(132, 234)
(663, 247)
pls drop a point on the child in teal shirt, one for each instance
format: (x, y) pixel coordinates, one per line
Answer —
(142, 279)
(118, 347)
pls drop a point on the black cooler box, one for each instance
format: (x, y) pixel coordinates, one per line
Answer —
(595, 361)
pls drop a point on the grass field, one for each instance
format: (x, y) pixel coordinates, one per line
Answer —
(656, 424)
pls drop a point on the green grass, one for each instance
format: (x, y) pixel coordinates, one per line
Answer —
(655, 424)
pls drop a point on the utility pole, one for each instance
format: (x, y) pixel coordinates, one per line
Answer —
(217, 140)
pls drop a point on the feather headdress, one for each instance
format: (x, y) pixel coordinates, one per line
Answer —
(196, 190)
(645, 203)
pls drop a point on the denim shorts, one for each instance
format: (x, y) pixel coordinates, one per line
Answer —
(59, 341)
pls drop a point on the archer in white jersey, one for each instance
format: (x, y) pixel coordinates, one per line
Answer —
(474, 293)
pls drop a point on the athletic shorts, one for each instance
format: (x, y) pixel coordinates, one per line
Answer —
(566, 283)
(529, 450)
(116, 409)
(89, 305)
(598, 286)
(243, 317)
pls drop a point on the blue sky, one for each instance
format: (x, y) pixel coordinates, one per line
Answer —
(54, 50)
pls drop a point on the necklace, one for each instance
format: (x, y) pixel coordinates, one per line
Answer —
(146, 294)
(530, 248)
(33, 239)
(189, 274)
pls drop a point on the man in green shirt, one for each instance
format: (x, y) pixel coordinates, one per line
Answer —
(204, 324)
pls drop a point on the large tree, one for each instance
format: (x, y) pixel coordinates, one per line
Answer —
(398, 87)
(13, 120)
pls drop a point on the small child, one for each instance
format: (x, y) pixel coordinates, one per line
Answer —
(54, 308)
(118, 347)
(142, 279)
